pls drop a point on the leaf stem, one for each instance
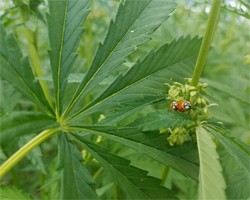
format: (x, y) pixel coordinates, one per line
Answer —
(16, 157)
(210, 30)
(34, 57)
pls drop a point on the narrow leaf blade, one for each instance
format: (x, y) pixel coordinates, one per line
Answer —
(17, 71)
(65, 29)
(76, 182)
(211, 181)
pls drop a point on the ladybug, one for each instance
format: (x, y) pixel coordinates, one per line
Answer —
(173, 105)
(183, 105)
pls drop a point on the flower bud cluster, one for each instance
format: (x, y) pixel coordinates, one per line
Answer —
(198, 112)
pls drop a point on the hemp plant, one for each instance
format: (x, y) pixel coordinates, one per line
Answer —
(88, 119)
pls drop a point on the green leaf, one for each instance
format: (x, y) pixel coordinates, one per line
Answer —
(18, 124)
(182, 158)
(211, 181)
(144, 82)
(12, 193)
(134, 181)
(234, 174)
(134, 22)
(224, 88)
(236, 148)
(17, 71)
(76, 182)
(65, 21)
(161, 119)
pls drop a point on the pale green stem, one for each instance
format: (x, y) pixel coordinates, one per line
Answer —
(16, 157)
(210, 30)
(34, 57)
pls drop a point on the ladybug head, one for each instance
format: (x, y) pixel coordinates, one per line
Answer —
(187, 105)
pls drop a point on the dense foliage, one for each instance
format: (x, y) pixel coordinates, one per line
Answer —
(92, 120)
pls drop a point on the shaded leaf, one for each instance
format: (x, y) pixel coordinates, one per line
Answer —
(65, 21)
(211, 181)
(144, 83)
(134, 181)
(18, 124)
(135, 21)
(161, 119)
(236, 148)
(17, 71)
(76, 182)
(182, 158)
(234, 174)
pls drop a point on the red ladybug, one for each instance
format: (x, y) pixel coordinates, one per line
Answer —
(183, 105)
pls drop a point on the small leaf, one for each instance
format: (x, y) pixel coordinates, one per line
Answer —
(65, 21)
(182, 158)
(134, 181)
(161, 119)
(22, 123)
(76, 182)
(17, 71)
(135, 21)
(211, 181)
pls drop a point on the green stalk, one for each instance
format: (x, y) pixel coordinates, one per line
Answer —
(34, 57)
(16, 157)
(209, 32)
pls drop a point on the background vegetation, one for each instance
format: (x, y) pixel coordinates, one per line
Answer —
(38, 175)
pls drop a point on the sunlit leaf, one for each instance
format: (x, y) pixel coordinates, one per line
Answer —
(211, 181)
(65, 20)
(12, 193)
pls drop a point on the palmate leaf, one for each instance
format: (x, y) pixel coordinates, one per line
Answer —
(76, 182)
(17, 71)
(17, 124)
(134, 22)
(134, 182)
(182, 158)
(161, 119)
(144, 82)
(211, 181)
(65, 21)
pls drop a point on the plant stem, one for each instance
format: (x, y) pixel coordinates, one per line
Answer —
(16, 157)
(210, 30)
(34, 57)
